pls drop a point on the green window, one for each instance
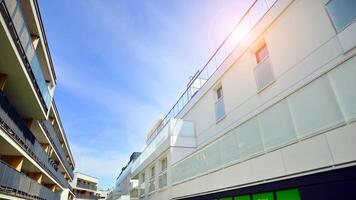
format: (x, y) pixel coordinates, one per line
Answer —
(245, 197)
(263, 196)
(292, 194)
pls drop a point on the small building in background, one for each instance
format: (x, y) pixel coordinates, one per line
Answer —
(84, 186)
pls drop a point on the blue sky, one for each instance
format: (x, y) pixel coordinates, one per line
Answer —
(122, 64)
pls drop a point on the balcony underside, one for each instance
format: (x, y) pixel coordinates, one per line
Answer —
(27, 167)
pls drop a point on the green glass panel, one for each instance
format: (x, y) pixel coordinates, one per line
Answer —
(245, 197)
(263, 196)
(292, 194)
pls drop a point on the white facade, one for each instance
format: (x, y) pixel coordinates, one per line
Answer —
(281, 106)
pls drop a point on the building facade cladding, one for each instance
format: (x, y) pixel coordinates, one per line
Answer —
(275, 120)
(34, 162)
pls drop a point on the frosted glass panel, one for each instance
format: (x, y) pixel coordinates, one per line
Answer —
(212, 153)
(219, 109)
(183, 128)
(249, 138)
(276, 125)
(343, 79)
(188, 167)
(200, 162)
(229, 148)
(263, 74)
(314, 108)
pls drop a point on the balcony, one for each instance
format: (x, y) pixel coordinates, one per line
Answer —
(86, 186)
(13, 125)
(13, 14)
(52, 136)
(17, 184)
(85, 196)
(176, 132)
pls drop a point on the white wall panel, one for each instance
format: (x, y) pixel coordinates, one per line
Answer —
(342, 142)
(268, 166)
(310, 154)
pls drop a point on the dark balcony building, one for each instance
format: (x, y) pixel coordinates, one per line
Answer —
(35, 159)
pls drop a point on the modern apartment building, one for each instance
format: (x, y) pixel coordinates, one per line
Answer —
(125, 188)
(103, 194)
(270, 116)
(84, 186)
(35, 159)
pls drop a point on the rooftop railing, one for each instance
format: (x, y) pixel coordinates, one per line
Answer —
(18, 184)
(51, 133)
(15, 127)
(255, 12)
(19, 30)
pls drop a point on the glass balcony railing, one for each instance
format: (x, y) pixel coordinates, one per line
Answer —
(51, 134)
(30, 57)
(256, 11)
(87, 186)
(175, 127)
(15, 127)
(85, 196)
(22, 186)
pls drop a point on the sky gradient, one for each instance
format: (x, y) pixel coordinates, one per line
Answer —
(122, 64)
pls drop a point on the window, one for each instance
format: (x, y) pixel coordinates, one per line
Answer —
(162, 179)
(219, 104)
(262, 54)
(152, 172)
(143, 177)
(219, 92)
(263, 70)
(342, 13)
(152, 184)
(163, 164)
(142, 184)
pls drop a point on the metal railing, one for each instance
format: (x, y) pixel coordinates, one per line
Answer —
(52, 136)
(18, 184)
(15, 127)
(13, 14)
(85, 196)
(87, 186)
(251, 17)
